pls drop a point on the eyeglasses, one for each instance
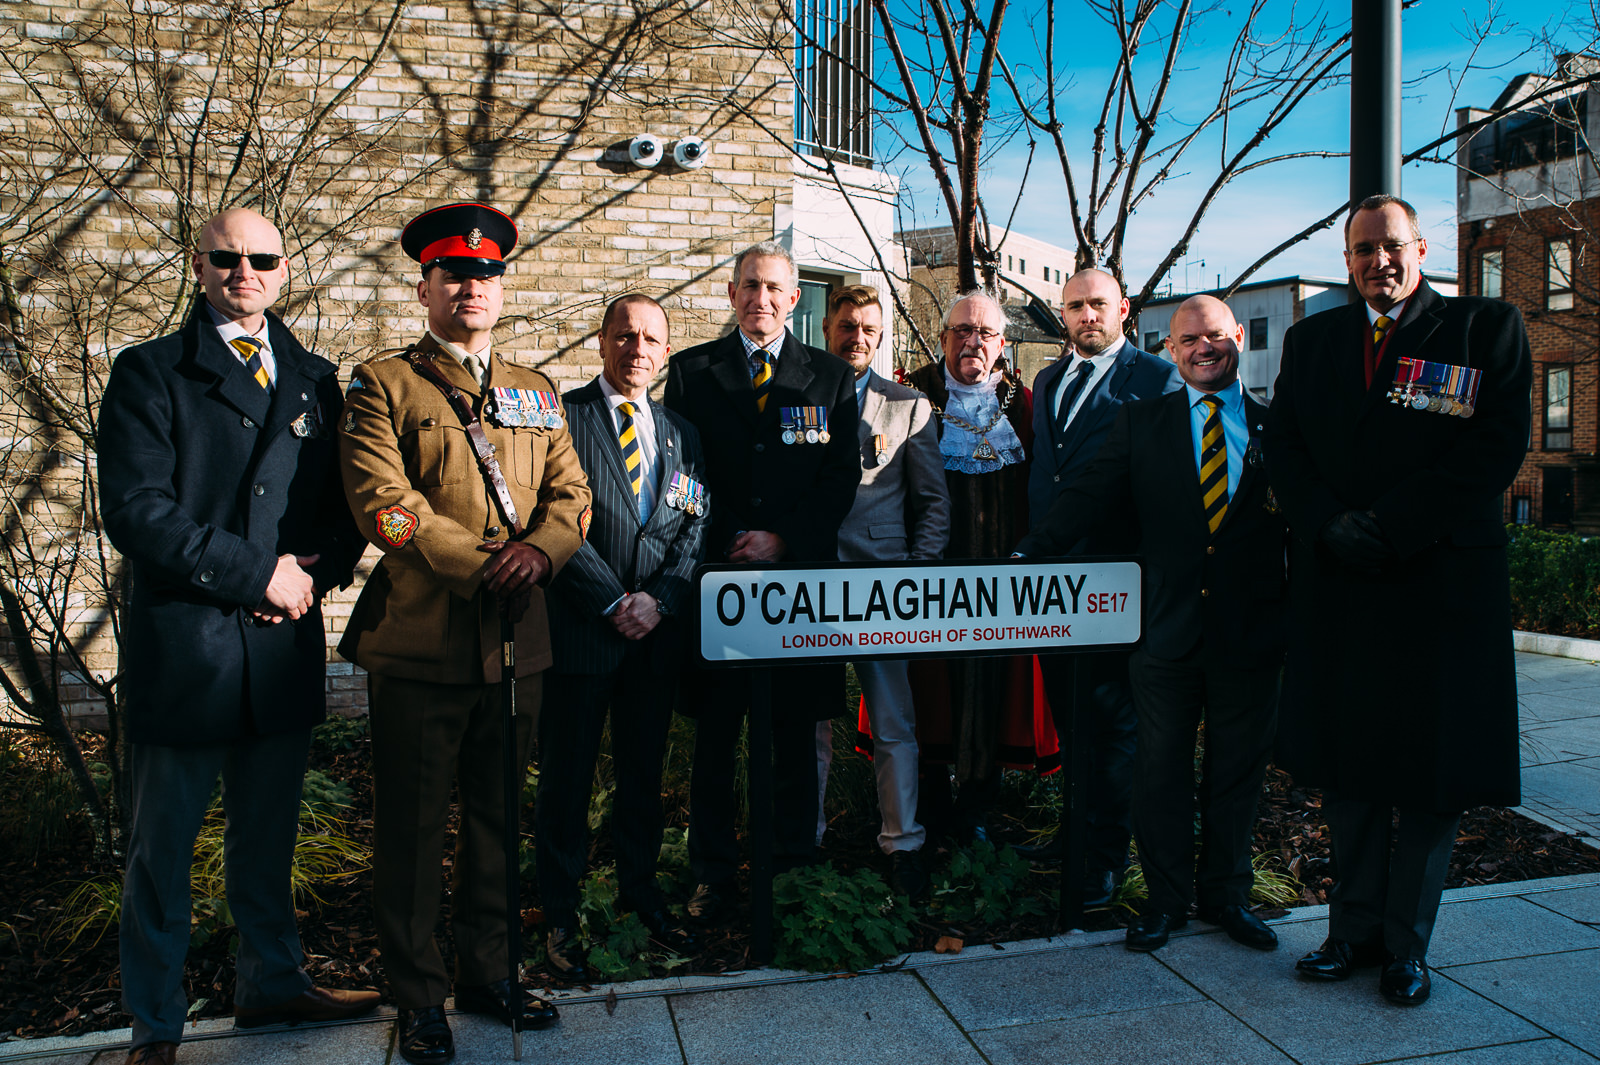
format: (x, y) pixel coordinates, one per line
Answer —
(1390, 248)
(967, 332)
(260, 260)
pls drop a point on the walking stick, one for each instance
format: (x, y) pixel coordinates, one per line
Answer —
(513, 789)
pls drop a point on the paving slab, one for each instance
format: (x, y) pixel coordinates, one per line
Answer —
(1345, 1023)
(1193, 1033)
(1493, 929)
(356, 1044)
(1535, 1052)
(1563, 705)
(1577, 737)
(1558, 992)
(996, 992)
(1574, 786)
(640, 1033)
(889, 1019)
(1580, 904)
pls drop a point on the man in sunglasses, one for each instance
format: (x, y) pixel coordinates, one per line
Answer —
(219, 483)
(1397, 423)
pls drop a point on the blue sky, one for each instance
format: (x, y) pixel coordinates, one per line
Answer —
(1447, 62)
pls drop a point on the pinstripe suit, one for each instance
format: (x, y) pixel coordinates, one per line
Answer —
(596, 667)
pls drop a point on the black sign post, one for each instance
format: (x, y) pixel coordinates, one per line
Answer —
(789, 613)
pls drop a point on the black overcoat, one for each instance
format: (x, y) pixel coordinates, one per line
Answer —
(1399, 686)
(802, 492)
(204, 481)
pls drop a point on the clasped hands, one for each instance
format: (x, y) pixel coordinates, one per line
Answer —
(1357, 540)
(291, 593)
(636, 615)
(513, 572)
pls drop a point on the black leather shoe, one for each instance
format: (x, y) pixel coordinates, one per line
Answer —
(1150, 931)
(424, 1036)
(710, 903)
(1098, 888)
(1336, 959)
(1242, 926)
(565, 954)
(1405, 981)
(906, 874)
(1045, 852)
(495, 1000)
(665, 930)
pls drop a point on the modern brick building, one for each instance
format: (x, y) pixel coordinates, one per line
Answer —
(1528, 199)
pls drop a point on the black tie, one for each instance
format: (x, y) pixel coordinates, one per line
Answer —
(1069, 395)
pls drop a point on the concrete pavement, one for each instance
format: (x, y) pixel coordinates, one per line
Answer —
(1517, 982)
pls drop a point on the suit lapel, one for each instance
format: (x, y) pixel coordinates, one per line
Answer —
(1044, 392)
(669, 459)
(1255, 420)
(871, 410)
(793, 376)
(296, 391)
(731, 371)
(1417, 323)
(1177, 438)
(597, 412)
(235, 386)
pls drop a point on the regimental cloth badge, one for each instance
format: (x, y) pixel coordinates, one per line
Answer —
(396, 525)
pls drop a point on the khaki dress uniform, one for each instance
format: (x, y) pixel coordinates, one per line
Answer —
(430, 638)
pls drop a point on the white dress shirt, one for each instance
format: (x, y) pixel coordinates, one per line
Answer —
(1102, 362)
(232, 330)
(644, 430)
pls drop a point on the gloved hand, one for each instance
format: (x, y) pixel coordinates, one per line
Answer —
(1356, 539)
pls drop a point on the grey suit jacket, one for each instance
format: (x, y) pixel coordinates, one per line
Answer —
(620, 555)
(902, 508)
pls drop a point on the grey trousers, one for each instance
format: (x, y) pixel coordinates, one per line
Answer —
(261, 781)
(1389, 876)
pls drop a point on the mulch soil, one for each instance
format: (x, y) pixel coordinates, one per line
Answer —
(48, 988)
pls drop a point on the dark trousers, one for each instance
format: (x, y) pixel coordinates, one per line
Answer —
(1388, 878)
(713, 799)
(1239, 708)
(640, 702)
(1112, 740)
(424, 736)
(261, 782)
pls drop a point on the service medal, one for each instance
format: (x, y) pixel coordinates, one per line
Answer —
(788, 436)
(1434, 403)
(1466, 411)
(811, 436)
(1419, 401)
(823, 436)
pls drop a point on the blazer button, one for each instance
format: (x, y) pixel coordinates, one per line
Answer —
(260, 489)
(429, 423)
(1205, 593)
(1060, 446)
(493, 530)
(1056, 478)
(206, 577)
(755, 501)
(1210, 550)
(761, 447)
(247, 423)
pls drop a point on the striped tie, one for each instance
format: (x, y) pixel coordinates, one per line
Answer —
(1380, 327)
(250, 348)
(761, 375)
(1213, 464)
(631, 456)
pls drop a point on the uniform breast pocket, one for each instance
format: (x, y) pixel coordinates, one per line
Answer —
(528, 447)
(434, 453)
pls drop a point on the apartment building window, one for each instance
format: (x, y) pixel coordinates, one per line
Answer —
(1558, 275)
(1522, 509)
(1008, 262)
(1558, 408)
(1258, 334)
(1152, 341)
(1541, 134)
(1491, 265)
(833, 113)
(1022, 267)
(1058, 277)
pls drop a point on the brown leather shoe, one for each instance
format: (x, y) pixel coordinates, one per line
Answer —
(153, 1054)
(314, 1004)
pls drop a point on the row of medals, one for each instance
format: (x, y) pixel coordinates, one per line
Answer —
(512, 413)
(684, 502)
(793, 434)
(1421, 399)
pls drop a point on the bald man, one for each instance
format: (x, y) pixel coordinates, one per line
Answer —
(219, 483)
(1075, 401)
(1187, 465)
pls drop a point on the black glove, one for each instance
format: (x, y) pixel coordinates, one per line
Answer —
(1356, 540)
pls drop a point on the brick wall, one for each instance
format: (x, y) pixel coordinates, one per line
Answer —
(126, 125)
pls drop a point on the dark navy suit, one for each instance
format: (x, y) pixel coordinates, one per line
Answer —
(1059, 457)
(205, 479)
(595, 667)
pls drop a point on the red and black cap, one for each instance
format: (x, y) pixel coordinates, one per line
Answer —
(470, 239)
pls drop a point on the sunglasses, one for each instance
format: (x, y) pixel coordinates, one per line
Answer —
(261, 260)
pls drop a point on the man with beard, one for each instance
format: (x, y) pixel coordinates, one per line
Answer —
(1077, 398)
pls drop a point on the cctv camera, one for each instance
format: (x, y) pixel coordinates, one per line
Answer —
(644, 150)
(690, 152)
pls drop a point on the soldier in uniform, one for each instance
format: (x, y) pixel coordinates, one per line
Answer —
(427, 625)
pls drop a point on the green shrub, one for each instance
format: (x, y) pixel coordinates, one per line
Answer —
(339, 733)
(982, 884)
(620, 947)
(1555, 581)
(829, 921)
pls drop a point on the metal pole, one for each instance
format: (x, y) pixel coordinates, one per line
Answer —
(761, 819)
(1374, 98)
(513, 824)
(1074, 784)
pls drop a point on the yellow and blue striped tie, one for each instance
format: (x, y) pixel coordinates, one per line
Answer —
(632, 458)
(1213, 464)
(761, 375)
(250, 348)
